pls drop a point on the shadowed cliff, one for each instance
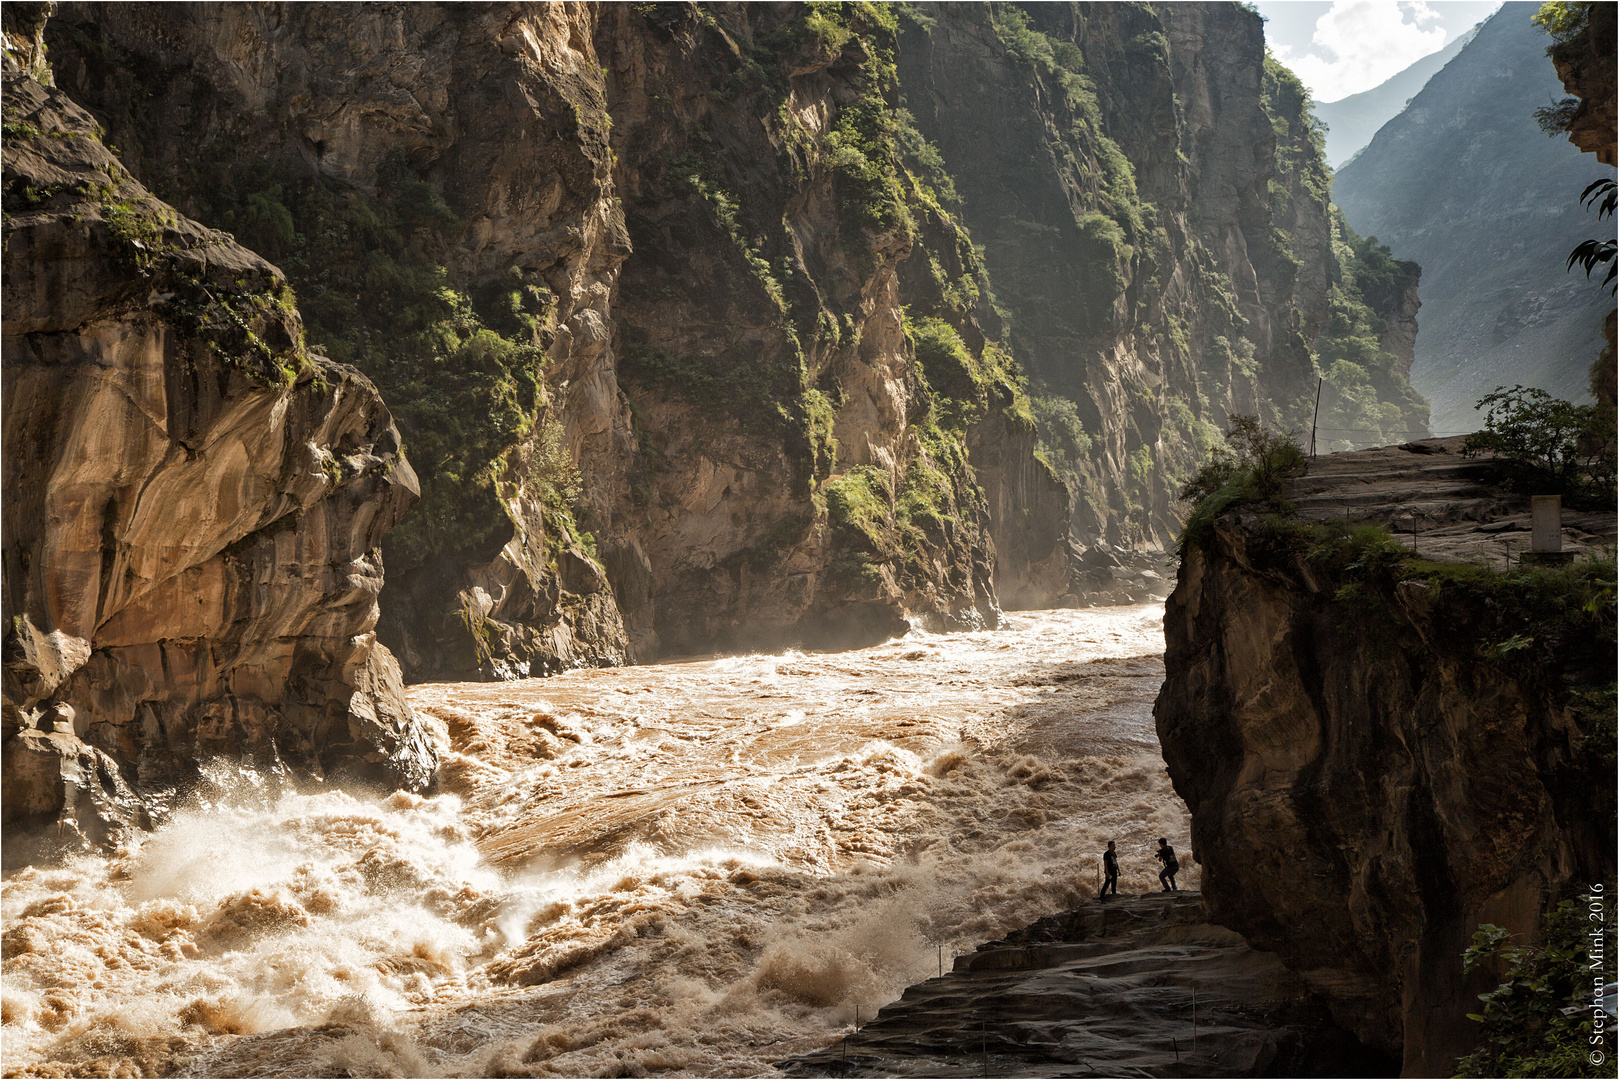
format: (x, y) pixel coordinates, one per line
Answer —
(1387, 742)
(714, 325)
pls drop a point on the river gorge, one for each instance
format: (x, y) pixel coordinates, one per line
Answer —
(631, 539)
(699, 867)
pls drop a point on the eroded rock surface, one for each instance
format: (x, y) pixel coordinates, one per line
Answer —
(693, 337)
(194, 503)
(1376, 764)
(1106, 990)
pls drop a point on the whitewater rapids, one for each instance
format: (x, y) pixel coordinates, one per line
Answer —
(688, 868)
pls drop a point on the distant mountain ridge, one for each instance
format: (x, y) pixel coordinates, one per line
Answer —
(1464, 182)
(1352, 121)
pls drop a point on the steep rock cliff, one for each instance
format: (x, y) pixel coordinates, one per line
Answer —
(701, 519)
(1151, 198)
(435, 180)
(711, 325)
(1381, 751)
(193, 503)
(805, 473)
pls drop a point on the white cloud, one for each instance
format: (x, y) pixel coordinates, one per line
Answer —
(1360, 43)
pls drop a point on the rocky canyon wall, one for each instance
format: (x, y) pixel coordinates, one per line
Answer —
(717, 326)
(1382, 752)
(193, 502)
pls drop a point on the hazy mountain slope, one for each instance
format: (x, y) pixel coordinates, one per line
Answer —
(1464, 183)
(1352, 121)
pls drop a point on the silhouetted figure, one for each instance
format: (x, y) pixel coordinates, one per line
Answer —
(1110, 871)
(1166, 876)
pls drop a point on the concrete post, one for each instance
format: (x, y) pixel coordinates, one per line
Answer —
(1546, 523)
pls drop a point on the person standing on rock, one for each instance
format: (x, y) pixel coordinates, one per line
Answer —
(1166, 876)
(1110, 871)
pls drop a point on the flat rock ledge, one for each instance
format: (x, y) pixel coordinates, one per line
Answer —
(1448, 506)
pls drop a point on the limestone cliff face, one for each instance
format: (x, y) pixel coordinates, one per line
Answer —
(744, 409)
(194, 503)
(1395, 301)
(476, 136)
(1381, 754)
(1155, 222)
(799, 478)
(712, 325)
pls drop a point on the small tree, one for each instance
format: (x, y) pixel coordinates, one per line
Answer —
(1551, 445)
(1260, 459)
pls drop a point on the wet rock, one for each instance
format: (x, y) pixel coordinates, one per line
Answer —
(52, 775)
(1107, 989)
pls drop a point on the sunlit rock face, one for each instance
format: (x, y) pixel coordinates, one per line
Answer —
(193, 504)
(717, 239)
(1376, 767)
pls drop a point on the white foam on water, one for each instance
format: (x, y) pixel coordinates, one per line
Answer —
(688, 869)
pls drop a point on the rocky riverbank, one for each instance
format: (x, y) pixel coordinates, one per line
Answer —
(1107, 989)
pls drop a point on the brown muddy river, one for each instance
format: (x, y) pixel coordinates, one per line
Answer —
(689, 868)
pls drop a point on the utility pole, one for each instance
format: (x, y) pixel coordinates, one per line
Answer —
(1315, 415)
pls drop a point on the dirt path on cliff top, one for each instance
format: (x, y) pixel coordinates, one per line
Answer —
(690, 868)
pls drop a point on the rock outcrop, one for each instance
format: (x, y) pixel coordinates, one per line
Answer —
(690, 316)
(1108, 988)
(194, 503)
(1381, 752)
(1586, 66)
(436, 180)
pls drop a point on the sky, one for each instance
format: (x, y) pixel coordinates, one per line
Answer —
(1341, 47)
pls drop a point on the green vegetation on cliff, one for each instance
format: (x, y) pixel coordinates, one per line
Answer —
(1370, 401)
(1531, 617)
(1541, 1019)
(1550, 446)
(1367, 398)
(1248, 470)
(461, 369)
(1115, 225)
